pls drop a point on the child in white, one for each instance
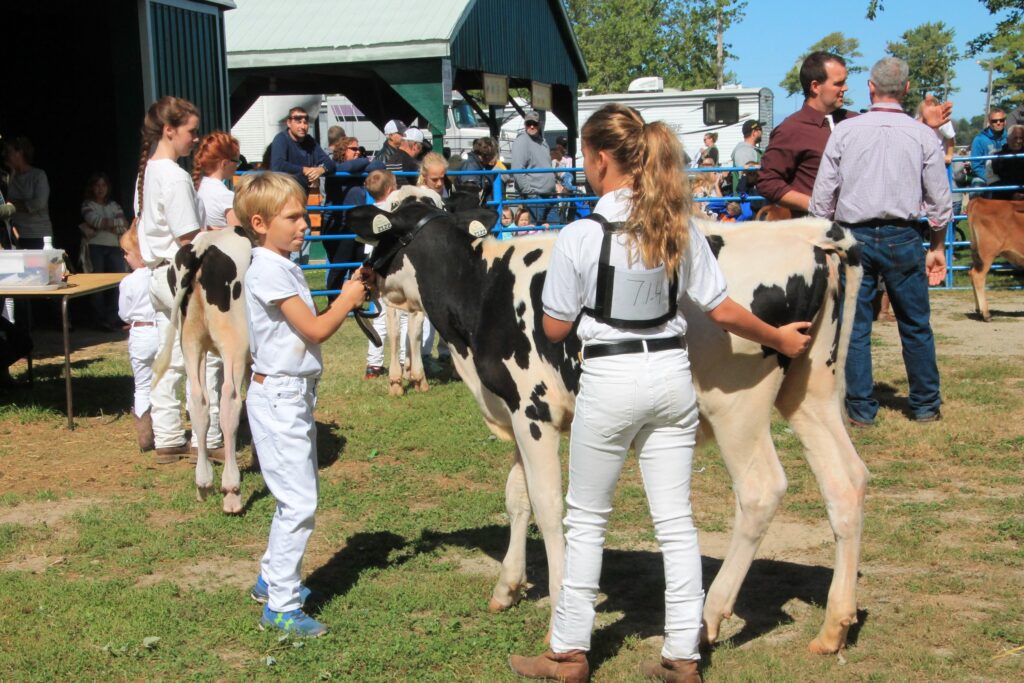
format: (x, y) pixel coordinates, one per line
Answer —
(136, 309)
(285, 333)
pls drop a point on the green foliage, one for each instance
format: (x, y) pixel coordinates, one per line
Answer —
(929, 51)
(968, 129)
(836, 43)
(676, 39)
(1007, 65)
(1006, 25)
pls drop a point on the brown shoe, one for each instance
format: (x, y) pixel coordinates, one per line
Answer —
(171, 454)
(144, 432)
(214, 454)
(567, 667)
(672, 671)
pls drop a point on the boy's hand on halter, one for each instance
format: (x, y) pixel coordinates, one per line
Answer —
(793, 339)
(353, 292)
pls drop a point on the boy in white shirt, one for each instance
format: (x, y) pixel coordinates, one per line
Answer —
(285, 333)
(135, 308)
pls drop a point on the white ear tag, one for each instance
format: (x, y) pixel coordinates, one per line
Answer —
(477, 229)
(381, 224)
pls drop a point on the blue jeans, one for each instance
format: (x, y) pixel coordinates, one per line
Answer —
(895, 255)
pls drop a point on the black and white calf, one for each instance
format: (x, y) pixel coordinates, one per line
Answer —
(484, 297)
(207, 279)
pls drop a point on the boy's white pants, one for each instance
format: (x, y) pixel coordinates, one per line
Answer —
(647, 400)
(375, 355)
(143, 343)
(166, 406)
(284, 438)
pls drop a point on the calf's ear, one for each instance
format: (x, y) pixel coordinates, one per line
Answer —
(369, 223)
(477, 222)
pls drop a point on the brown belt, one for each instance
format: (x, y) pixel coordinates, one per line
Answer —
(258, 377)
(143, 323)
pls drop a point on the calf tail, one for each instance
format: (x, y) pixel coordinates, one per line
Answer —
(849, 251)
(163, 359)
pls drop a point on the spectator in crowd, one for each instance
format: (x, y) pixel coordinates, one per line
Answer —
(334, 135)
(864, 184)
(704, 185)
(481, 158)
(345, 191)
(945, 133)
(1009, 169)
(709, 150)
(215, 163)
(433, 176)
(406, 158)
(393, 132)
(29, 190)
(507, 216)
(747, 186)
(103, 222)
(295, 152)
(988, 142)
(530, 150)
(790, 163)
(747, 151)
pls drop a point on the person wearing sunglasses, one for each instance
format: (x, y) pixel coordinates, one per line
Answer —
(988, 142)
(296, 153)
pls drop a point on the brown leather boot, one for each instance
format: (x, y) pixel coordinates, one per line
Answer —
(672, 671)
(565, 667)
(144, 432)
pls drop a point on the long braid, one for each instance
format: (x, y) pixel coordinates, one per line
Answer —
(143, 160)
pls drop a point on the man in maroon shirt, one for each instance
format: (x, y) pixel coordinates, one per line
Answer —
(790, 164)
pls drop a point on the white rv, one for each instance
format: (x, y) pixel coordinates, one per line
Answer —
(690, 113)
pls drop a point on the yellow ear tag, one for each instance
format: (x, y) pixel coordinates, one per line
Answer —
(381, 224)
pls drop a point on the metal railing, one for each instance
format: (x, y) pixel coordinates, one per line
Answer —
(500, 199)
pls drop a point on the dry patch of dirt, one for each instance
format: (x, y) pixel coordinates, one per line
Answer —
(50, 512)
(204, 574)
(786, 539)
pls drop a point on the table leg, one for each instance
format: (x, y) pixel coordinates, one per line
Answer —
(67, 359)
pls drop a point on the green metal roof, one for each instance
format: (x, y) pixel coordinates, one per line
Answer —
(521, 38)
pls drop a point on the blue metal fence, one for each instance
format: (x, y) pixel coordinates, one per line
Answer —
(501, 199)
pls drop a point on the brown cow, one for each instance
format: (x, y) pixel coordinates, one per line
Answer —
(997, 229)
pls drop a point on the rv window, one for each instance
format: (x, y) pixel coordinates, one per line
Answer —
(464, 116)
(721, 111)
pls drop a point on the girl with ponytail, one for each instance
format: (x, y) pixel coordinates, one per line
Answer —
(216, 160)
(621, 274)
(169, 216)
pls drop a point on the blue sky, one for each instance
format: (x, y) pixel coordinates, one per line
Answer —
(775, 32)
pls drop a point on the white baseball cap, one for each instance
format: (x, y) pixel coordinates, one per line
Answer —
(394, 126)
(413, 135)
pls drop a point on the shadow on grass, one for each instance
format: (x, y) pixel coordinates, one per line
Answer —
(93, 395)
(633, 581)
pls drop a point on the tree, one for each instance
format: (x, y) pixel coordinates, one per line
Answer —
(931, 54)
(676, 39)
(1007, 25)
(836, 43)
(1007, 64)
(967, 129)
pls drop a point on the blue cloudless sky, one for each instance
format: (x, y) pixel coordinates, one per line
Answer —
(774, 33)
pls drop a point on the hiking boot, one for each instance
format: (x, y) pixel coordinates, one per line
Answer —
(374, 371)
(296, 622)
(672, 671)
(261, 593)
(214, 454)
(566, 667)
(930, 417)
(144, 432)
(171, 454)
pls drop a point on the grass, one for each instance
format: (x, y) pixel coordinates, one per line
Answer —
(101, 552)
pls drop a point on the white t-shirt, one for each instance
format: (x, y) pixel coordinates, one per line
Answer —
(216, 200)
(133, 302)
(171, 210)
(571, 281)
(277, 348)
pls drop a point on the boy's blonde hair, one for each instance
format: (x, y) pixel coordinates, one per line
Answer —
(264, 194)
(380, 184)
(129, 241)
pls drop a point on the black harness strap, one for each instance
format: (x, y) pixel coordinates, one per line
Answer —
(379, 263)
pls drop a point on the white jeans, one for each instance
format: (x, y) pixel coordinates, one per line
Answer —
(427, 345)
(166, 404)
(143, 343)
(284, 438)
(374, 355)
(647, 400)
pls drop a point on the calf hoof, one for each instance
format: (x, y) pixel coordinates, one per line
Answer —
(396, 389)
(232, 503)
(504, 601)
(830, 640)
(203, 492)
(422, 385)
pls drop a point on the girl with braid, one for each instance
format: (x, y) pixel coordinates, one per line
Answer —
(169, 216)
(636, 388)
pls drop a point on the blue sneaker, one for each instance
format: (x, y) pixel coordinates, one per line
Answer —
(260, 592)
(295, 622)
